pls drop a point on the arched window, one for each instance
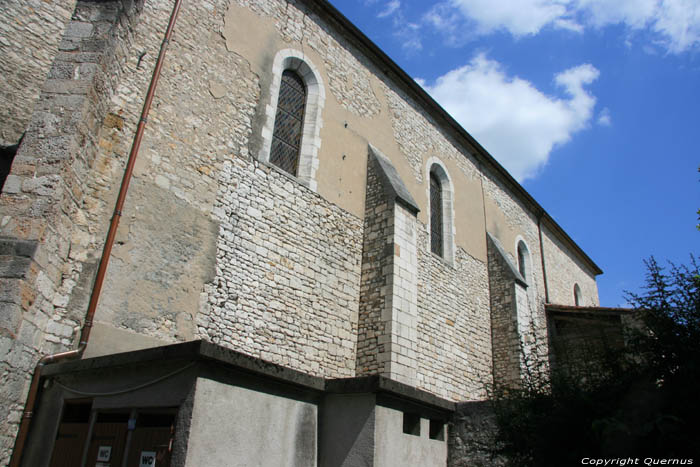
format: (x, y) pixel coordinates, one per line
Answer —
(440, 210)
(291, 135)
(436, 233)
(523, 260)
(578, 298)
(289, 123)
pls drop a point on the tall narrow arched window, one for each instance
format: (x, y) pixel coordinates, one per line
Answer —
(436, 220)
(578, 299)
(523, 260)
(440, 221)
(291, 134)
(289, 123)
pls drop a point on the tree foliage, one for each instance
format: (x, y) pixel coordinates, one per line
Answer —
(645, 405)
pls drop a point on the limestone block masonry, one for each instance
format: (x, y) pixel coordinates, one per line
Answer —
(288, 273)
(377, 256)
(329, 273)
(42, 209)
(389, 337)
(563, 271)
(29, 39)
(454, 329)
(504, 325)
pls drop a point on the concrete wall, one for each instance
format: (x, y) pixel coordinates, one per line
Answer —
(394, 448)
(236, 427)
(347, 430)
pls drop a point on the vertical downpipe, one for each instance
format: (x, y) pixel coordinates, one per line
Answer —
(32, 396)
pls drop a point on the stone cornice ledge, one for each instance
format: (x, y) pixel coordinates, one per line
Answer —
(206, 352)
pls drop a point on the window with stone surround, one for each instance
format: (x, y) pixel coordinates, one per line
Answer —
(523, 260)
(578, 299)
(440, 211)
(289, 121)
(435, 215)
(291, 134)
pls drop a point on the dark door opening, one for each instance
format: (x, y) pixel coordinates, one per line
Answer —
(113, 438)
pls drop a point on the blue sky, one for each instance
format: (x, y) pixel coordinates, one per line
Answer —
(593, 105)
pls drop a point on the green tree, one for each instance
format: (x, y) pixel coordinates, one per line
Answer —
(645, 405)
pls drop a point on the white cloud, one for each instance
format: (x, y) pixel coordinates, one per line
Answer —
(676, 23)
(518, 124)
(598, 13)
(679, 23)
(604, 118)
(389, 9)
(406, 31)
(520, 17)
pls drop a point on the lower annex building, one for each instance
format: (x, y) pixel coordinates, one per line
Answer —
(314, 264)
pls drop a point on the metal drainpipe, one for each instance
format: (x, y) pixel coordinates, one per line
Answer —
(21, 439)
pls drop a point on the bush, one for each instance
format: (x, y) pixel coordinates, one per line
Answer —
(645, 405)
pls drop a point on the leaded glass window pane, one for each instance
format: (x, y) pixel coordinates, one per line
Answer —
(289, 120)
(521, 260)
(435, 215)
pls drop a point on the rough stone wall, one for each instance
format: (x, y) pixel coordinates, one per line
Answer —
(563, 271)
(504, 325)
(288, 273)
(42, 206)
(349, 79)
(389, 300)
(376, 261)
(584, 346)
(201, 115)
(286, 283)
(530, 300)
(418, 135)
(30, 31)
(454, 337)
(473, 437)
(454, 328)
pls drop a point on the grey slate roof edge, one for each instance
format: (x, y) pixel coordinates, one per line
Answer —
(511, 267)
(392, 182)
(207, 352)
(385, 64)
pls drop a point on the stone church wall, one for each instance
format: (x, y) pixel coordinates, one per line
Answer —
(214, 244)
(30, 34)
(288, 273)
(563, 271)
(454, 328)
(43, 205)
(375, 281)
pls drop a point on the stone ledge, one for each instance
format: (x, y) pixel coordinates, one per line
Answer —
(391, 180)
(203, 351)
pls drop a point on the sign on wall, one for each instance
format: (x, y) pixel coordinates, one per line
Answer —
(104, 453)
(148, 459)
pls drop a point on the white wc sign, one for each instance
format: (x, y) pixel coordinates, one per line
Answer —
(104, 453)
(148, 459)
